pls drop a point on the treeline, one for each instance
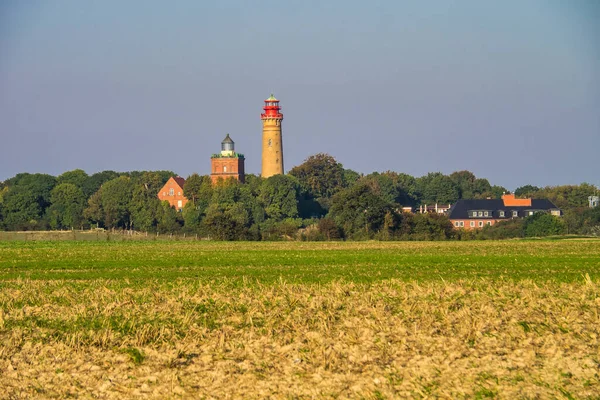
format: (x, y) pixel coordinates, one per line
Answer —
(317, 200)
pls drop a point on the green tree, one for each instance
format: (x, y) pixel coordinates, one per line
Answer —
(227, 221)
(526, 191)
(95, 181)
(3, 191)
(249, 196)
(512, 228)
(465, 180)
(144, 207)
(168, 219)
(279, 197)
(495, 192)
(590, 224)
(26, 201)
(568, 196)
(408, 194)
(199, 189)
(21, 209)
(116, 197)
(329, 229)
(77, 177)
(542, 224)
(94, 212)
(320, 175)
(436, 187)
(68, 203)
(39, 184)
(359, 211)
(162, 175)
(383, 185)
(431, 226)
(192, 187)
(192, 217)
(350, 177)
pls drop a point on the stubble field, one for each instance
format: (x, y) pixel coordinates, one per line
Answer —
(512, 319)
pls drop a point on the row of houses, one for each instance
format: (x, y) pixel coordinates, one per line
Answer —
(466, 213)
(478, 213)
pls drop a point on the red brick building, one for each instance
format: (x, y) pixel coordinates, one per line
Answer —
(228, 163)
(477, 213)
(173, 192)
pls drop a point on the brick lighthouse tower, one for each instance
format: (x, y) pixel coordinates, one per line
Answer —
(228, 163)
(272, 145)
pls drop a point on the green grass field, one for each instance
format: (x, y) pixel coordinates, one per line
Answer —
(561, 260)
(194, 319)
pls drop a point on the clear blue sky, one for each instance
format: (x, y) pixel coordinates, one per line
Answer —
(509, 90)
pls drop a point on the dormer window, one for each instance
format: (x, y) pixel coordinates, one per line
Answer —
(502, 214)
(486, 214)
(480, 214)
(515, 213)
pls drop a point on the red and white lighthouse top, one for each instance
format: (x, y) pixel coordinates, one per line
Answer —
(272, 109)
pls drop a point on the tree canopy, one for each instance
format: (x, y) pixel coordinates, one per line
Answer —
(317, 200)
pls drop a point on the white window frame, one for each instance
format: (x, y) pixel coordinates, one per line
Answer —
(171, 192)
(472, 224)
(489, 223)
(462, 223)
(480, 214)
(515, 213)
(502, 213)
(456, 224)
(486, 214)
(480, 224)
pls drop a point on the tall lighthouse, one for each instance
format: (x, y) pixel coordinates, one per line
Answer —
(272, 145)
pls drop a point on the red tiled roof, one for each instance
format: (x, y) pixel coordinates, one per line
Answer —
(510, 200)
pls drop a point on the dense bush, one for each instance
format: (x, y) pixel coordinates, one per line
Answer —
(542, 224)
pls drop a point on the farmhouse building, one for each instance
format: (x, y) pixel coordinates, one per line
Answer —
(173, 192)
(474, 214)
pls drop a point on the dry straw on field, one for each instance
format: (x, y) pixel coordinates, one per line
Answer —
(392, 339)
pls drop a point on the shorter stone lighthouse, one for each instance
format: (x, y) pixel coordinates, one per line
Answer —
(228, 163)
(272, 142)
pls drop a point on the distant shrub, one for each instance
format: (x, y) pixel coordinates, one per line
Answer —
(542, 224)
(508, 229)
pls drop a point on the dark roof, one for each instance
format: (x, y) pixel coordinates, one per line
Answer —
(180, 181)
(461, 209)
(227, 139)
